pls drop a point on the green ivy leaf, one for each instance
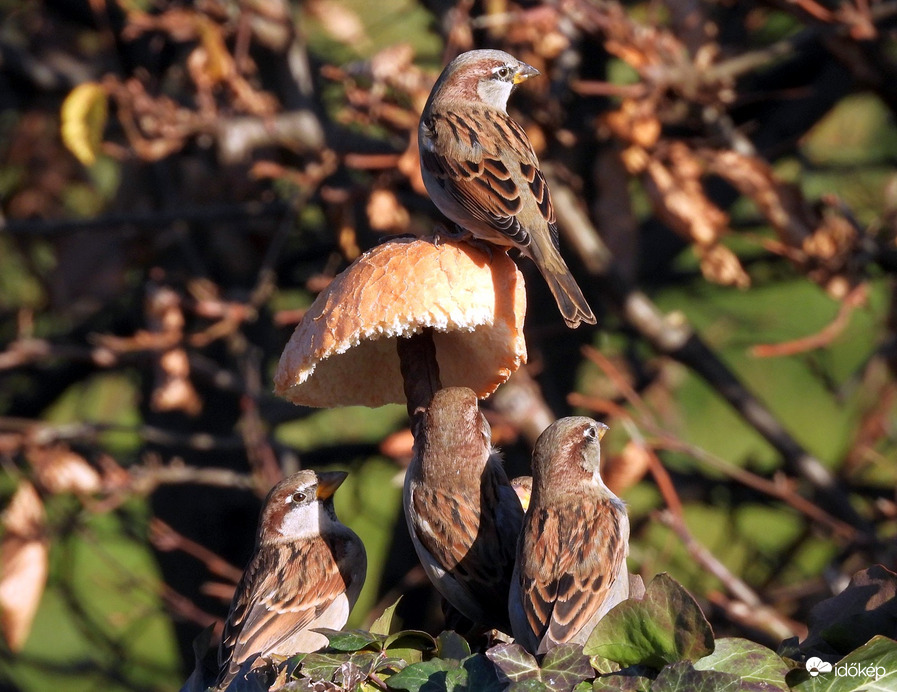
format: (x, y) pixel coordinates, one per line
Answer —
(528, 685)
(664, 627)
(350, 640)
(514, 662)
(410, 639)
(748, 660)
(394, 663)
(565, 666)
(617, 682)
(409, 645)
(481, 675)
(439, 675)
(682, 677)
(383, 624)
(414, 677)
(452, 645)
(322, 666)
(867, 607)
(871, 668)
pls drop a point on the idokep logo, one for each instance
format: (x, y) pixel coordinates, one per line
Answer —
(816, 665)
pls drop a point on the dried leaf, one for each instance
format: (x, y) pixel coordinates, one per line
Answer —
(868, 606)
(23, 564)
(623, 471)
(84, 114)
(60, 470)
(175, 392)
(781, 203)
(386, 213)
(635, 122)
(677, 196)
(398, 446)
(340, 22)
(720, 265)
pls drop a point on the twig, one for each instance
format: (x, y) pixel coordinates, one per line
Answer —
(756, 618)
(166, 539)
(45, 434)
(676, 338)
(778, 489)
(824, 337)
(208, 218)
(147, 477)
(765, 617)
(667, 440)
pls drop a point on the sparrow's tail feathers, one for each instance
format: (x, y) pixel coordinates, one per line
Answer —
(571, 302)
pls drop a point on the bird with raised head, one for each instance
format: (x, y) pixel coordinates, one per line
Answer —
(571, 557)
(480, 169)
(306, 572)
(463, 515)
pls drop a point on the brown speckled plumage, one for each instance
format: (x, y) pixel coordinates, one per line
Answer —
(462, 513)
(571, 558)
(481, 171)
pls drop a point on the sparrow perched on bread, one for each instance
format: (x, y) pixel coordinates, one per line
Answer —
(571, 557)
(463, 515)
(481, 171)
(306, 572)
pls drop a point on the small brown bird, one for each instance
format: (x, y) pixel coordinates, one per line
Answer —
(481, 171)
(523, 486)
(306, 572)
(463, 515)
(571, 558)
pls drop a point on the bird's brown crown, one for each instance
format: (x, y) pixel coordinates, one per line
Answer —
(464, 78)
(567, 454)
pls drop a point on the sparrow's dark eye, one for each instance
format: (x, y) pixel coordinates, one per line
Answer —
(298, 497)
(503, 72)
(591, 433)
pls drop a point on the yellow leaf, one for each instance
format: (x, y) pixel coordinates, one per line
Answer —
(84, 114)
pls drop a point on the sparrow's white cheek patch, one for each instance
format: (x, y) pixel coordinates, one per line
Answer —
(300, 521)
(495, 92)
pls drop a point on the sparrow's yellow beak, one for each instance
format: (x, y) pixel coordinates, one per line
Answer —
(602, 430)
(524, 72)
(328, 482)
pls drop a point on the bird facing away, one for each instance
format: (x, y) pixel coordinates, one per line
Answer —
(463, 515)
(571, 557)
(481, 171)
(306, 572)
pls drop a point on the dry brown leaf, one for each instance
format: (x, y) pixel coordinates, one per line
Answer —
(340, 22)
(822, 244)
(59, 470)
(624, 470)
(781, 203)
(398, 446)
(174, 363)
(23, 564)
(173, 390)
(635, 122)
(386, 213)
(677, 195)
(721, 266)
(539, 27)
(409, 165)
